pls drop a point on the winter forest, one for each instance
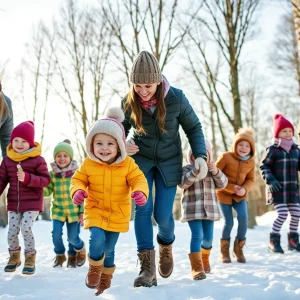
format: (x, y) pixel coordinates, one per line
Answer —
(237, 62)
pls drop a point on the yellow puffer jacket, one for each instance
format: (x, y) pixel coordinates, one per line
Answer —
(109, 189)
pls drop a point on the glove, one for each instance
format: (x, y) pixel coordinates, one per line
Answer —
(79, 196)
(275, 186)
(200, 164)
(139, 198)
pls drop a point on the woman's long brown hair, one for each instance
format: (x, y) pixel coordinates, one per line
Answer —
(4, 110)
(132, 102)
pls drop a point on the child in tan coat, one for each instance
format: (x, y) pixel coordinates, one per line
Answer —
(238, 165)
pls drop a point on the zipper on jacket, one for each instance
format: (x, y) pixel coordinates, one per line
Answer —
(18, 187)
(156, 141)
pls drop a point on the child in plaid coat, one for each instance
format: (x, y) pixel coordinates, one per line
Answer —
(280, 171)
(63, 211)
(200, 209)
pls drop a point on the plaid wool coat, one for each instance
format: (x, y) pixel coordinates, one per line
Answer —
(282, 166)
(199, 199)
(62, 207)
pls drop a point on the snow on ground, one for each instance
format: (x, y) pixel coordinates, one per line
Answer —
(264, 276)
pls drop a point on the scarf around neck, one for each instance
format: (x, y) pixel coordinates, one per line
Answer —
(150, 105)
(285, 144)
(65, 172)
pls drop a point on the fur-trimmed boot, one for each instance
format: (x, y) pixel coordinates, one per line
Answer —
(59, 260)
(197, 266)
(293, 241)
(238, 250)
(274, 245)
(224, 248)
(105, 281)
(147, 275)
(205, 259)
(71, 263)
(29, 265)
(93, 276)
(165, 261)
(81, 256)
(14, 260)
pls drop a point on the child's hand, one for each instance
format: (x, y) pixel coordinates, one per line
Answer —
(240, 191)
(80, 219)
(139, 198)
(79, 196)
(195, 172)
(212, 168)
(23, 176)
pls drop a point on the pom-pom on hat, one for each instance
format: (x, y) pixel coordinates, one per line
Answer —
(145, 69)
(110, 125)
(24, 130)
(279, 123)
(64, 146)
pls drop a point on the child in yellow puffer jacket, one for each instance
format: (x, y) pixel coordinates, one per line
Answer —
(107, 180)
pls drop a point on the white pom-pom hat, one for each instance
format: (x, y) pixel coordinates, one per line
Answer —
(110, 125)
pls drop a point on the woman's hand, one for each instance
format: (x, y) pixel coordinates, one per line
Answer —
(131, 148)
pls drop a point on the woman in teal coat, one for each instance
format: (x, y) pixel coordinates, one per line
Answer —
(155, 110)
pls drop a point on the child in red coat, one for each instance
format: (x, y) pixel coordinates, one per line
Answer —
(26, 172)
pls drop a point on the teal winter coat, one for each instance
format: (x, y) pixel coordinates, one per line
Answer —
(163, 150)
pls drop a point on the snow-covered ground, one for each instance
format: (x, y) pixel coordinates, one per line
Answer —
(264, 276)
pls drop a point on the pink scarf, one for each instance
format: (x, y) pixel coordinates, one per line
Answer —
(150, 105)
(285, 144)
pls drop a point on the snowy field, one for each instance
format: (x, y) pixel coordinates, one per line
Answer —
(264, 276)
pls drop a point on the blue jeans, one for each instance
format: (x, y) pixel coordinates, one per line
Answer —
(74, 240)
(242, 217)
(163, 213)
(103, 242)
(202, 234)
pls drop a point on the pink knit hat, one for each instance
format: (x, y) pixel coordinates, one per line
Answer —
(279, 123)
(25, 131)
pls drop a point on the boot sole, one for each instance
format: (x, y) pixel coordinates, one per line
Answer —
(145, 284)
(201, 277)
(12, 270)
(273, 252)
(165, 276)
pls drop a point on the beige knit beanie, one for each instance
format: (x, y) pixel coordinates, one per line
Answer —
(145, 69)
(110, 125)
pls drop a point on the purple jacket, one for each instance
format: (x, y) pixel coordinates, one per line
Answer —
(24, 197)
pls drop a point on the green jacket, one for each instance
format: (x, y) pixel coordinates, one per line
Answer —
(163, 150)
(62, 207)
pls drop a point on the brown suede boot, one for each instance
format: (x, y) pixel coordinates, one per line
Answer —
(105, 281)
(147, 275)
(14, 260)
(29, 265)
(205, 259)
(59, 260)
(81, 256)
(93, 276)
(197, 266)
(71, 261)
(238, 250)
(224, 255)
(165, 261)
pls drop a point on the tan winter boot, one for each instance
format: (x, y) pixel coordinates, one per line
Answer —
(197, 266)
(238, 250)
(71, 263)
(165, 261)
(205, 259)
(29, 265)
(14, 260)
(81, 256)
(93, 276)
(147, 275)
(105, 281)
(59, 260)
(224, 255)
